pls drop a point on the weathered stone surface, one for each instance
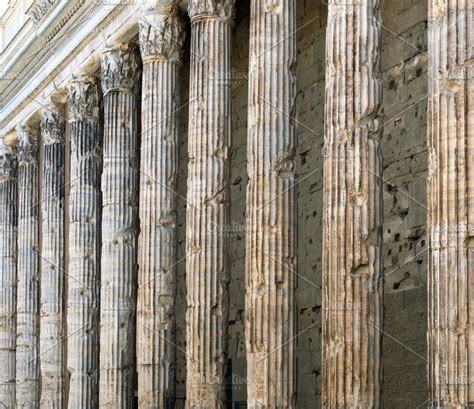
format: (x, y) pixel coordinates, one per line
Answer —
(27, 349)
(209, 141)
(8, 273)
(84, 243)
(52, 309)
(120, 84)
(352, 215)
(271, 206)
(161, 41)
(451, 203)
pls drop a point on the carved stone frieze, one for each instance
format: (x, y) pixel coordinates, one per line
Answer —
(40, 9)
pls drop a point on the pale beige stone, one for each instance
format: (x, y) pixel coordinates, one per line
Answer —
(271, 206)
(352, 218)
(8, 272)
(83, 283)
(209, 140)
(52, 308)
(120, 66)
(27, 348)
(161, 41)
(451, 203)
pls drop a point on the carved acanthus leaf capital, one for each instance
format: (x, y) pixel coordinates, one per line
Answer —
(27, 145)
(84, 99)
(52, 124)
(162, 34)
(121, 68)
(8, 164)
(221, 9)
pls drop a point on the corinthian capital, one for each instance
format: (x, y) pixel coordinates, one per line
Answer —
(162, 34)
(202, 9)
(52, 124)
(27, 145)
(120, 68)
(8, 164)
(84, 99)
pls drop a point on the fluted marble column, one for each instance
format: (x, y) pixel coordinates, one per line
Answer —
(83, 106)
(207, 272)
(161, 41)
(120, 86)
(8, 275)
(451, 203)
(352, 216)
(271, 206)
(52, 318)
(27, 349)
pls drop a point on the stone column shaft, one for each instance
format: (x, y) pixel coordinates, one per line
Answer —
(83, 106)
(8, 273)
(352, 217)
(52, 319)
(451, 203)
(207, 272)
(120, 85)
(27, 350)
(161, 40)
(271, 206)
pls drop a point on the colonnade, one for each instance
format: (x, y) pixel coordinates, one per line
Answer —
(114, 278)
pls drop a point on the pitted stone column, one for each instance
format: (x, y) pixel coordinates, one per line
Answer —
(161, 41)
(8, 276)
(451, 203)
(271, 206)
(27, 349)
(52, 318)
(207, 272)
(120, 85)
(84, 243)
(352, 217)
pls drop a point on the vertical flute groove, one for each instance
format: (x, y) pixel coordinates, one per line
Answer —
(451, 203)
(84, 243)
(52, 322)
(8, 273)
(161, 41)
(271, 206)
(207, 272)
(120, 85)
(352, 226)
(27, 349)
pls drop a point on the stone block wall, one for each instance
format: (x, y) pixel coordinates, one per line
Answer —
(404, 65)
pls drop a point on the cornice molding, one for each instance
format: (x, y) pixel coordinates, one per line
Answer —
(20, 73)
(60, 67)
